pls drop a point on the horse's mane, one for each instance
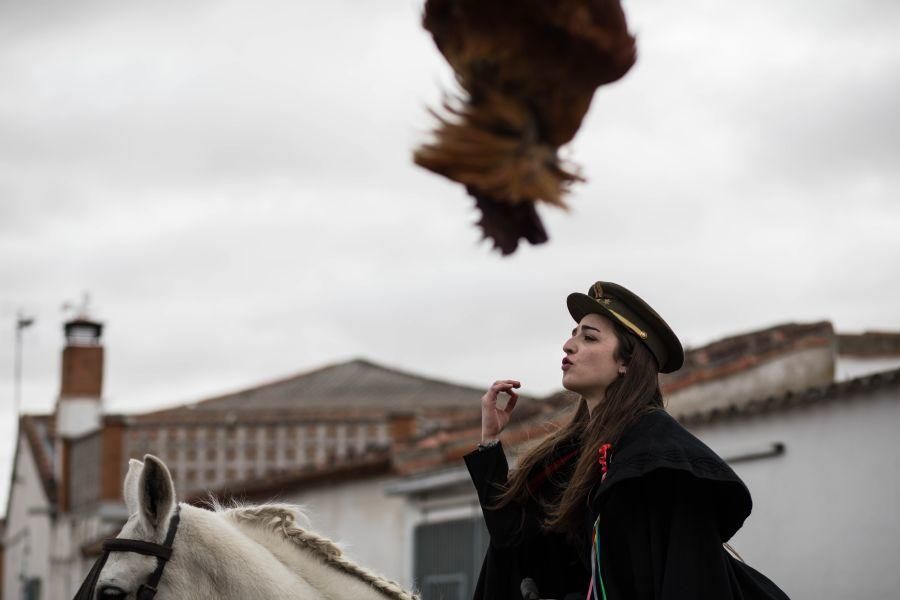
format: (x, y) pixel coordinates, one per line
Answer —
(282, 519)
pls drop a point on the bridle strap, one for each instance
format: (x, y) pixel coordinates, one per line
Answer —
(147, 590)
(138, 547)
(162, 552)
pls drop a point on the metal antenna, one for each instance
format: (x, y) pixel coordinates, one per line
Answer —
(81, 311)
(22, 322)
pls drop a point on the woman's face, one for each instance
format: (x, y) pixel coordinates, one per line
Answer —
(590, 366)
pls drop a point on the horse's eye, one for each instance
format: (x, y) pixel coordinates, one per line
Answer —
(111, 592)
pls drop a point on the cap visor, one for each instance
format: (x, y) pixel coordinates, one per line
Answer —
(581, 304)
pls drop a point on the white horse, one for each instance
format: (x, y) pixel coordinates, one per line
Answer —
(243, 553)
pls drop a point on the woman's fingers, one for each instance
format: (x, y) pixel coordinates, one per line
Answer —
(512, 382)
(494, 419)
(507, 387)
(503, 385)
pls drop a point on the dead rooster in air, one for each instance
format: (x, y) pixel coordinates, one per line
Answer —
(528, 70)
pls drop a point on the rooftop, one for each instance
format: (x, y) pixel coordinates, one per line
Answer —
(358, 384)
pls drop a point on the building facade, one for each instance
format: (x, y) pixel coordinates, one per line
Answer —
(302, 435)
(374, 457)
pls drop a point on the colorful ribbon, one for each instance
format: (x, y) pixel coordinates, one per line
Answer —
(596, 574)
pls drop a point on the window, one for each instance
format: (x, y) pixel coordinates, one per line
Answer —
(445, 587)
(32, 589)
(448, 557)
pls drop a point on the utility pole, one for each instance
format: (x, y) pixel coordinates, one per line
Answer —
(22, 322)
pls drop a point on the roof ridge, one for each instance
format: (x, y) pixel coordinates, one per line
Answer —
(425, 378)
(757, 332)
(358, 360)
(261, 386)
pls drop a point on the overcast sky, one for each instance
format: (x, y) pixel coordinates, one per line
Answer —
(232, 182)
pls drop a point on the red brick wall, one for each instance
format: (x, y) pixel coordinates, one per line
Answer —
(82, 371)
(402, 427)
(65, 472)
(113, 466)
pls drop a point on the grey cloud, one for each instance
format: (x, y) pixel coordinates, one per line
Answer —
(234, 185)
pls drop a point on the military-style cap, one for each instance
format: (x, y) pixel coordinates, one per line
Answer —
(614, 301)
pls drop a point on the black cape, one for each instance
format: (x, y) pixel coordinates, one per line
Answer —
(666, 506)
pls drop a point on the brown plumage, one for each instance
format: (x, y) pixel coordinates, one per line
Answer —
(528, 70)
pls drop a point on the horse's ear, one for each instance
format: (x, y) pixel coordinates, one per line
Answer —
(156, 492)
(130, 489)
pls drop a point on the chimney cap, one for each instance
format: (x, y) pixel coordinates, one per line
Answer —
(83, 332)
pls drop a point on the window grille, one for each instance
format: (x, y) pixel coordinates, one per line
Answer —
(448, 557)
(32, 589)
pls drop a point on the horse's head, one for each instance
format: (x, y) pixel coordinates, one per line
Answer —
(150, 499)
(242, 553)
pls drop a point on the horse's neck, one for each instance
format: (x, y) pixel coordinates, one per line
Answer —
(311, 566)
(246, 561)
(236, 566)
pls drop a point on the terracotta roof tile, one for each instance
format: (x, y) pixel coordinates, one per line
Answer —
(869, 344)
(458, 443)
(716, 360)
(534, 421)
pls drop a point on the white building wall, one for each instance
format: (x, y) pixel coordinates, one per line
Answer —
(76, 417)
(850, 367)
(27, 537)
(825, 523)
(367, 524)
(71, 532)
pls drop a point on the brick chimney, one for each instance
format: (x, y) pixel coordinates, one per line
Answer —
(79, 405)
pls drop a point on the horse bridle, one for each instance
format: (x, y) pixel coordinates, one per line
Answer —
(162, 552)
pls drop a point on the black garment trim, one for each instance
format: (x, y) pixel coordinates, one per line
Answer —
(658, 441)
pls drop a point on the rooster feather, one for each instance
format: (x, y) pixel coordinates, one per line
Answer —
(528, 70)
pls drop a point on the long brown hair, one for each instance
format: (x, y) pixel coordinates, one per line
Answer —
(627, 398)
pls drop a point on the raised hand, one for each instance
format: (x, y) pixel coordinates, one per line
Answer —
(494, 418)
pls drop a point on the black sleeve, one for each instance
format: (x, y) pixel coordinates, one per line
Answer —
(659, 541)
(511, 524)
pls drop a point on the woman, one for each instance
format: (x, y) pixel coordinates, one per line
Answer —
(622, 502)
